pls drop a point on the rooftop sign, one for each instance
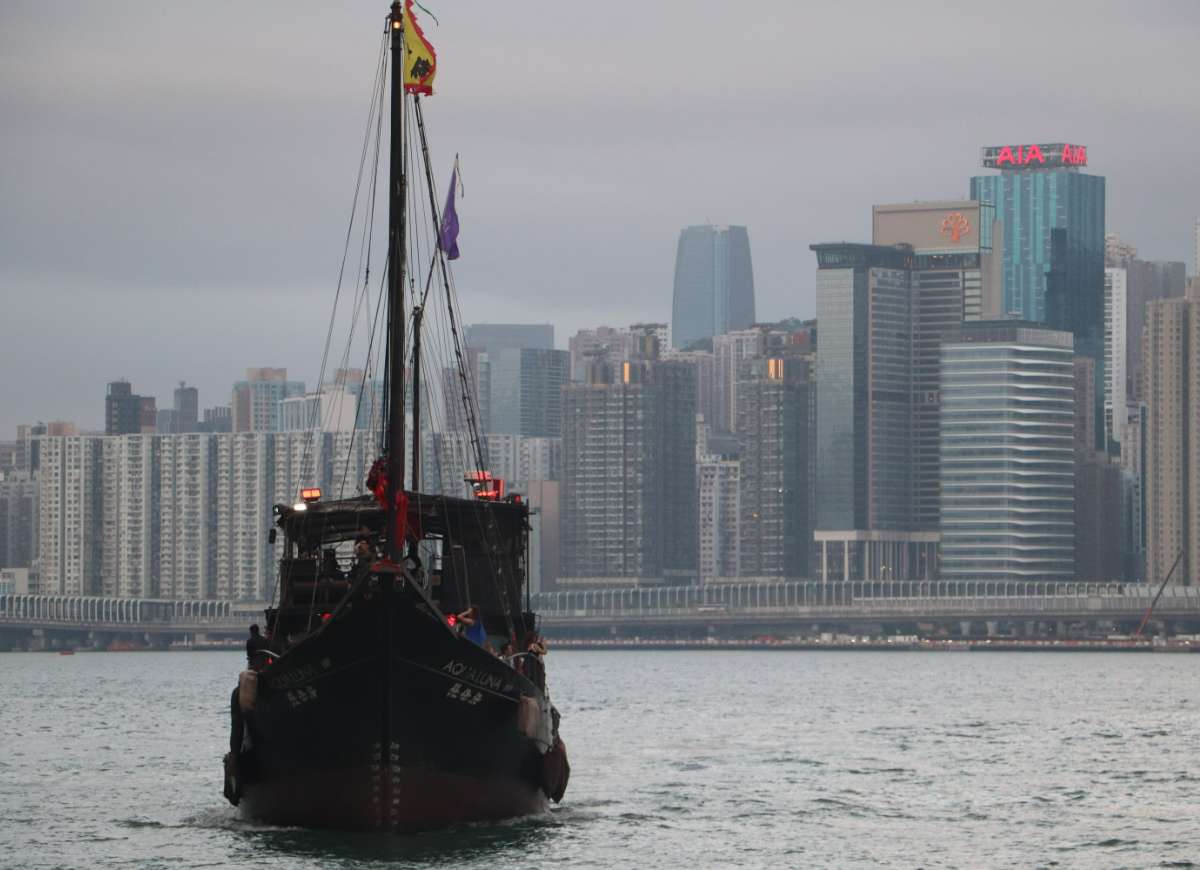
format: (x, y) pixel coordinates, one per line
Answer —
(1058, 154)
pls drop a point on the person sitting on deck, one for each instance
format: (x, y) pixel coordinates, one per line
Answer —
(257, 647)
(364, 552)
(472, 626)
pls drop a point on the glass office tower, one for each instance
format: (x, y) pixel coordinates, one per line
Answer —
(1032, 200)
(1008, 453)
(714, 284)
(1052, 215)
(864, 525)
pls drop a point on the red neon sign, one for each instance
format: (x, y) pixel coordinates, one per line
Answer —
(1034, 156)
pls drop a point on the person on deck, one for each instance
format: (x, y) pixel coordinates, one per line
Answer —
(532, 665)
(364, 553)
(257, 647)
(472, 626)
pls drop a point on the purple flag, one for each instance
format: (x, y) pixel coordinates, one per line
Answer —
(448, 238)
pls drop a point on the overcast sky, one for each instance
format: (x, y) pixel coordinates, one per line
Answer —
(176, 177)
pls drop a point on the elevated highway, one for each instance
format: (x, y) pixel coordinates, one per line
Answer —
(972, 607)
(805, 606)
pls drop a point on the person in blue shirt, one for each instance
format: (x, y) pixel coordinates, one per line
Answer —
(472, 626)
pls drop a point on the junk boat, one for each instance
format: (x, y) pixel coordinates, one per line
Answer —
(367, 707)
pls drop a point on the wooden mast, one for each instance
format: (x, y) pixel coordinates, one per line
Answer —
(397, 251)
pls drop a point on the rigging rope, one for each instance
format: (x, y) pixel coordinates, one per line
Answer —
(378, 86)
(446, 344)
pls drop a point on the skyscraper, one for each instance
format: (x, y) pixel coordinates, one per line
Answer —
(126, 413)
(1085, 398)
(256, 399)
(187, 408)
(1172, 474)
(1133, 493)
(611, 517)
(187, 528)
(1146, 281)
(517, 374)
(956, 277)
(1053, 218)
(131, 515)
(1040, 189)
(614, 346)
(674, 382)
(704, 365)
(488, 337)
(1100, 512)
(718, 479)
(218, 419)
(334, 409)
(775, 416)
(18, 519)
(244, 566)
(1008, 440)
(1115, 354)
(1116, 249)
(27, 444)
(730, 350)
(1196, 248)
(70, 520)
(714, 283)
(864, 521)
(629, 507)
(524, 387)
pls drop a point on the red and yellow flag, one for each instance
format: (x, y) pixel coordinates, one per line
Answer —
(420, 60)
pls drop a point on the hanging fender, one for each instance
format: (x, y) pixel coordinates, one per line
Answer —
(247, 691)
(556, 771)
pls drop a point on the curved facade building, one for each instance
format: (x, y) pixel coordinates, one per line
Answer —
(714, 284)
(1008, 453)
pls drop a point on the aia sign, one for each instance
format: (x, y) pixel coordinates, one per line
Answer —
(1034, 156)
(955, 225)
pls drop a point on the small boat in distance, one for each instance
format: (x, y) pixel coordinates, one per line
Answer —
(368, 707)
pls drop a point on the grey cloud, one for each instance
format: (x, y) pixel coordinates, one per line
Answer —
(193, 164)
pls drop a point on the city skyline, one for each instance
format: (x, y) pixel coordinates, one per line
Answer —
(263, 154)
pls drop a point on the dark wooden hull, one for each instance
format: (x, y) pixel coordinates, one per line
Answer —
(385, 719)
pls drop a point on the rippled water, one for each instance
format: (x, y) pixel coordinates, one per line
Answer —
(702, 759)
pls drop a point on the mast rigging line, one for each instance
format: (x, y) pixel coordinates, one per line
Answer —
(472, 422)
(373, 116)
(487, 527)
(414, 247)
(378, 81)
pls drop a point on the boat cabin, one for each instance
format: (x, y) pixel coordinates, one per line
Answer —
(468, 553)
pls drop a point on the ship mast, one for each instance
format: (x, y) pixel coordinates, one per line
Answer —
(397, 193)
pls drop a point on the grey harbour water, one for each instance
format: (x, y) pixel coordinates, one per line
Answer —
(680, 759)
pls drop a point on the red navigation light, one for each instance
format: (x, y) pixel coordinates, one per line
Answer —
(451, 620)
(325, 617)
(310, 493)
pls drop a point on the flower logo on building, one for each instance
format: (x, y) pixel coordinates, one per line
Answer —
(955, 225)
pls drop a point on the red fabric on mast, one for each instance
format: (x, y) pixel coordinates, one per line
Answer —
(377, 482)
